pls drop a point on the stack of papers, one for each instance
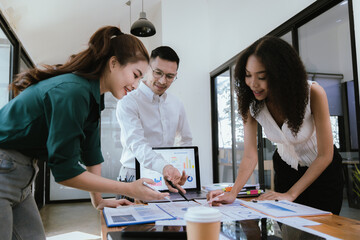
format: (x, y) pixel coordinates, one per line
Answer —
(249, 190)
(227, 187)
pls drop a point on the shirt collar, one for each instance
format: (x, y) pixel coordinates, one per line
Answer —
(150, 95)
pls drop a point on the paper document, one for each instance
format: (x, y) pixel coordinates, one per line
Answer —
(235, 211)
(230, 212)
(176, 209)
(297, 222)
(134, 214)
(282, 208)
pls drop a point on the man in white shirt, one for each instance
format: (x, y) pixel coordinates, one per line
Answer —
(151, 117)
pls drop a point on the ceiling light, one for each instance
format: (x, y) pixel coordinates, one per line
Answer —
(143, 27)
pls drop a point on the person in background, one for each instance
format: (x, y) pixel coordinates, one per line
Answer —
(272, 89)
(55, 116)
(154, 118)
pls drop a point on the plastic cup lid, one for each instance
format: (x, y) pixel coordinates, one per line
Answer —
(202, 214)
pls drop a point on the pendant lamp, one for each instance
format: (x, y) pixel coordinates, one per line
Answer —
(143, 27)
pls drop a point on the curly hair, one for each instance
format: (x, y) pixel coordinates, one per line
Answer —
(286, 80)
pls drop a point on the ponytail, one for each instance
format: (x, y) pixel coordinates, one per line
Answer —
(104, 43)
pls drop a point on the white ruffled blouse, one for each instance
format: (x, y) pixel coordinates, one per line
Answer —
(300, 150)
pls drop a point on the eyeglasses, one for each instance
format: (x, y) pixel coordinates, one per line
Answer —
(159, 74)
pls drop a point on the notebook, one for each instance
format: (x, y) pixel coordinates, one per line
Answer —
(183, 158)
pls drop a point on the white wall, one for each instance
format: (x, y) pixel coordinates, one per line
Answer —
(156, 19)
(185, 29)
(205, 34)
(235, 24)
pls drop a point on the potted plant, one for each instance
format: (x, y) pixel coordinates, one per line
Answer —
(356, 181)
(354, 187)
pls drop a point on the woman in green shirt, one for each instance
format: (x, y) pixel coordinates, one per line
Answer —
(55, 116)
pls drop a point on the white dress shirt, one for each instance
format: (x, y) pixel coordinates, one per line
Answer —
(148, 120)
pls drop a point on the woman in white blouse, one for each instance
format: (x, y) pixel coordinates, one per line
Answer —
(272, 89)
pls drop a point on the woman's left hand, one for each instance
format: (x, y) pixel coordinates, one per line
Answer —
(112, 203)
(271, 195)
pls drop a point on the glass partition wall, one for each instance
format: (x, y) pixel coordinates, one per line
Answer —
(322, 36)
(13, 59)
(5, 61)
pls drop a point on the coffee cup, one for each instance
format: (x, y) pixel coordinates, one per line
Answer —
(202, 223)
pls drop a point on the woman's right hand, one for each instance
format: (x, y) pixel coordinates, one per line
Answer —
(140, 192)
(217, 197)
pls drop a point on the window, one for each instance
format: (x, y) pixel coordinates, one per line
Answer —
(110, 139)
(328, 35)
(230, 129)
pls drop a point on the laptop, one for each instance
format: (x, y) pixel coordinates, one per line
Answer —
(183, 158)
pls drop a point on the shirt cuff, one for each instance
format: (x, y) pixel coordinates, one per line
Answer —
(62, 171)
(159, 166)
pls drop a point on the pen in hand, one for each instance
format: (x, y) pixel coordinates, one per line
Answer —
(151, 187)
(214, 199)
(180, 192)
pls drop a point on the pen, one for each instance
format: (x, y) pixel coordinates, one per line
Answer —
(180, 192)
(215, 198)
(151, 187)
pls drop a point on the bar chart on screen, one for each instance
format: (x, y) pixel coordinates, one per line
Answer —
(182, 160)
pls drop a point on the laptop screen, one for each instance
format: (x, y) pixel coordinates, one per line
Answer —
(183, 158)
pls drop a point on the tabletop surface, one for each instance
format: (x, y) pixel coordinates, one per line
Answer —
(333, 225)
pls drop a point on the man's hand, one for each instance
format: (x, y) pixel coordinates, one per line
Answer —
(172, 174)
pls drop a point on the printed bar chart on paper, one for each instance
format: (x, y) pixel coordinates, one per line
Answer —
(283, 208)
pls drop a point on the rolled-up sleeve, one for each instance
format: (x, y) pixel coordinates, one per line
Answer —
(67, 108)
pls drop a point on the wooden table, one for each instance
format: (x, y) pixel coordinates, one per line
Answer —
(333, 225)
(337, 226)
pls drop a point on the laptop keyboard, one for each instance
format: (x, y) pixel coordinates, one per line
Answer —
(189, 194)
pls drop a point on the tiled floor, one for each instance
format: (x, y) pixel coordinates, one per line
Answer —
(348, 212)
(80, 221)
(67, 221)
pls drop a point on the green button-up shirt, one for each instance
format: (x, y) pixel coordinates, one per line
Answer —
(57, 118)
